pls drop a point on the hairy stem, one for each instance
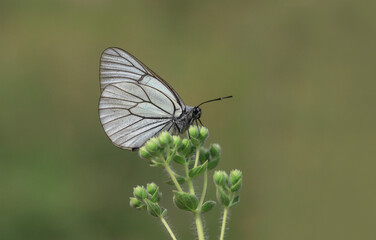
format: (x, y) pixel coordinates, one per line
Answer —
(172, 174)
(199, 226)
(189, 180)
(197, 156)
(204, 189)
(224, 218)
(168, 228)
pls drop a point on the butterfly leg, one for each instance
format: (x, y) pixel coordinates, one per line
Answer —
(201, 123)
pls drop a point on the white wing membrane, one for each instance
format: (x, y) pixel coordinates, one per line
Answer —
(131, 113)
(135, 104)
(119, 66)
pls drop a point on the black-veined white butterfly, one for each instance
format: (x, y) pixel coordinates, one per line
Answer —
(136, 104)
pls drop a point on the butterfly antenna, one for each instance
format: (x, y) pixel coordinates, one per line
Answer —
(213, 100)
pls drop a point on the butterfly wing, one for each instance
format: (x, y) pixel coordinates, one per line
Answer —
(132, 112)
(117, 65)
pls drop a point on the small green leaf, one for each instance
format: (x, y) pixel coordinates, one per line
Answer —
(213, 163)
(155, 197)
(196, 142)
(222, 196)
(179, 159)
(207, 206)
(204, 155)
(153, 208)
(198, 170)
(236, 187)
(180, 180)
(164, 213)
(235, 201)
(185, 201)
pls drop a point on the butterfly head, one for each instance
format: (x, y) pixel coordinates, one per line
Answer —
(196, 113)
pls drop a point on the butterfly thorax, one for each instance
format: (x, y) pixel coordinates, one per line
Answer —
(187, 118)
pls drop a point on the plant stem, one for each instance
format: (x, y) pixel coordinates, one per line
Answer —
(197, 156)
(189, 180)
(199, 226)
(224, 218)
(168, 228)
(200, 229)
(223, 223)
(204, 189)
(172, 174)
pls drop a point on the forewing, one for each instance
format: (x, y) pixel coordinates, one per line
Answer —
(131, 113)
(117, 66)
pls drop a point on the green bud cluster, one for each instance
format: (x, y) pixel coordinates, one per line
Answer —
(228, 187)
(198, 135)
(195, 159)
(147, 199)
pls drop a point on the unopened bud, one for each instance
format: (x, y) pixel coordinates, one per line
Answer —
(220, 178)
(144, 153)
(165, 139)
(177, 141)
(204, 133)
(140, 192)
(152, 146)
(193, 132)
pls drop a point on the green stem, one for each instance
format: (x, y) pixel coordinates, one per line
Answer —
(199, 225)
(168, 228)
(223, 223)
(224, 219)
(171, 173)
(197, 156)
(204, 189)
(200, 229)
(189, 180)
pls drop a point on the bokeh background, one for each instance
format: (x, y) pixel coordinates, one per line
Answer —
(301, 124)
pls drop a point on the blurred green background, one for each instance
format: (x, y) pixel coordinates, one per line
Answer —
(301, 125)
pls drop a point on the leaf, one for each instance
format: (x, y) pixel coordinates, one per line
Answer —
(236, 187)
(185, 201)
(164, 213)
(207, 206)
(156, 196)
(204, 155)
(235, 201)
(179, 159)
(180, 180)
(223, 197)
(198, 170)
(153, 208)
(213, 163)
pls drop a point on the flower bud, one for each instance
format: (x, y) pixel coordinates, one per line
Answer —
(236, 180)
(220, 178)
(177, 141)
(152, 146)
(235, 176)
(215, 150)
(151, 188)
(135, 203)
(193, 132)
(140, 192)
(204, 133)
(185, 147)
(144, 153)
(165, 139)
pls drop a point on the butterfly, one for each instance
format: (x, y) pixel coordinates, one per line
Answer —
(136, 104)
